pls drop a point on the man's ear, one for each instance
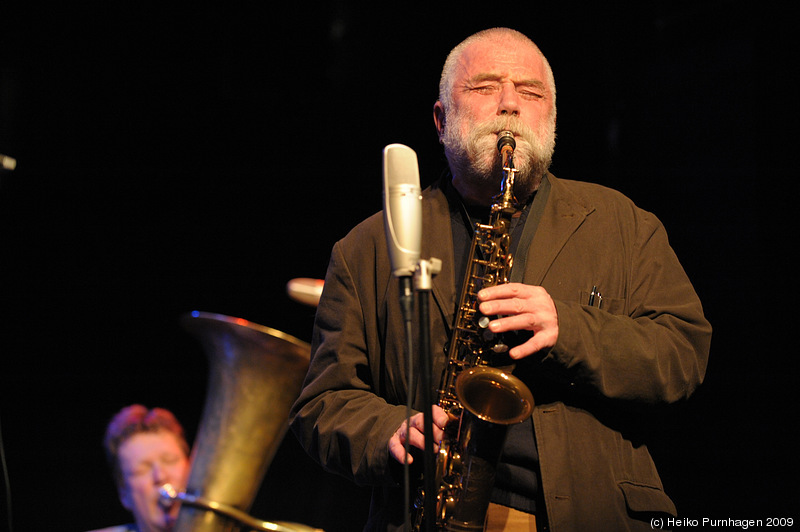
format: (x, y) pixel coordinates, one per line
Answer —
(439, 118)
(125, 497)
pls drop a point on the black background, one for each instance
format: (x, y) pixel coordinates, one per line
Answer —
(198, 160)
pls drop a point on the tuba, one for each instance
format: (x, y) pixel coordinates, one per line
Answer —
(485, 401)
(255, 374)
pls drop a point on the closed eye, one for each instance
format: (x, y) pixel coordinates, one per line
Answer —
(533, 90)
(485, 88)
(530, 94)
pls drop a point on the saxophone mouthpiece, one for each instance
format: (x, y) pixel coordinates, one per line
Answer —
(167, 495)
(505, 138)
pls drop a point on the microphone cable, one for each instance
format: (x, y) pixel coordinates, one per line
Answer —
(6, 480)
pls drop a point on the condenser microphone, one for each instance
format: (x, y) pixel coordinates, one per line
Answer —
(402, 208)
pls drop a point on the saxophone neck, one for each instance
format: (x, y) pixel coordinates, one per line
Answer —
(506, 145)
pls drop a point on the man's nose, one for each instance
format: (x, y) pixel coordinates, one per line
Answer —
(160, 474)
(509, 100)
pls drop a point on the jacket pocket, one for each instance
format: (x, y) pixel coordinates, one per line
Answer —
(609, 304)
(641, 498)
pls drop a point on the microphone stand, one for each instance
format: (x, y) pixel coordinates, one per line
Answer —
(407, 309)
(423, 283)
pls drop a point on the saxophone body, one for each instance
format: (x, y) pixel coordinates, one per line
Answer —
(482, 401)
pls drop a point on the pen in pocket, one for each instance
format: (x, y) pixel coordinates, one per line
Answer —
(595, 299)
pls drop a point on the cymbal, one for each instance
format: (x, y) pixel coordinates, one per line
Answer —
(305, 290)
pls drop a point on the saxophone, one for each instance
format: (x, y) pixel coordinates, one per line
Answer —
(482, 401)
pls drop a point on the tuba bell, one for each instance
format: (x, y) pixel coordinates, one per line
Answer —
(255, 374)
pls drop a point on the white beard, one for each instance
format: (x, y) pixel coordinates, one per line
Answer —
(474, 159)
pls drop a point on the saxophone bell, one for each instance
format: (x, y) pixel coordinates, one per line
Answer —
(492, 401)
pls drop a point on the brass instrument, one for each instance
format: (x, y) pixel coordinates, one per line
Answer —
(255, 374)
(485, 400)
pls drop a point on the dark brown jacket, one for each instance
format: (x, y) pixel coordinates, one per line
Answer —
(646, 346)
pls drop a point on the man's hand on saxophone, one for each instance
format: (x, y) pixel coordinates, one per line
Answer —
(416, 436)
(522, 308)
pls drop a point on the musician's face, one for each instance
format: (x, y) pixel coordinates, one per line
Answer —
(149, 460)
(498, 84)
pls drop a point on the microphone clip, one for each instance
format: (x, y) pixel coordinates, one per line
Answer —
(425, 272)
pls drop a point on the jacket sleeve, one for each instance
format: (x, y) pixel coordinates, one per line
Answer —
(653, 348)
(338, 418)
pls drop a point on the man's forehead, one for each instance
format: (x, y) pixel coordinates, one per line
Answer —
(143, 443)
(501, 59)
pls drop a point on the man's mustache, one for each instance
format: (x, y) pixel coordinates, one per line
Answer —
(521, 131)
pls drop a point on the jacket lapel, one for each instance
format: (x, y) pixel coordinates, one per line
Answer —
(562, 216)
(437, 242)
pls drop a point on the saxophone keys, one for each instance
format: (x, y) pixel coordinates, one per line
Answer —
(499, 347)
(489, 337)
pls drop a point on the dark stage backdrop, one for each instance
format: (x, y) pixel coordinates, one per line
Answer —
(198, 160)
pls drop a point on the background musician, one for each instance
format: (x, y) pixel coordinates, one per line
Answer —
(145, 450)
(598, 367)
